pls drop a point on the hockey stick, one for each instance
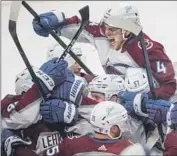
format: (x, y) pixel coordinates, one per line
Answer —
(137, 30)
(85, 17)
(14, 13)
(149, 75)
(84, 12)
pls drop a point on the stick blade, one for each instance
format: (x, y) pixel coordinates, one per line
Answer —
(14, 10)
(84, 12)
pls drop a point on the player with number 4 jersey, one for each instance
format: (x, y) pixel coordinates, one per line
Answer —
(116, 44)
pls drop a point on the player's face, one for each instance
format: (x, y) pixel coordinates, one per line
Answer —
(97, 96)
(76, 69)
(114, 36)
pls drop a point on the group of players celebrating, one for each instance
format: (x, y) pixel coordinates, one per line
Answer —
(111, 114)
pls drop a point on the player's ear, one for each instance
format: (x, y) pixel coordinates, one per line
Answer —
(114, 98)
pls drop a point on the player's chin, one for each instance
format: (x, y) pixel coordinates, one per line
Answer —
(77, 71)
(114, 46)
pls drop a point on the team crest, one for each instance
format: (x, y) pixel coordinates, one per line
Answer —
(148, 44)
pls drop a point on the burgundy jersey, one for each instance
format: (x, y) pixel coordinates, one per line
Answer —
(21, 111)
(84, 144)
(170, 144)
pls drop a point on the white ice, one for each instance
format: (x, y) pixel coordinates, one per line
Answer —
(159, 20)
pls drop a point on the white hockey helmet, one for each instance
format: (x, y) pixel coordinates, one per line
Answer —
(57, 51)
(136, 80)
(108, 85)
(125, 16)
(107, 114)
(23, 82)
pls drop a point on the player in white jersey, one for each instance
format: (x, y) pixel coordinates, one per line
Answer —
(116, 42)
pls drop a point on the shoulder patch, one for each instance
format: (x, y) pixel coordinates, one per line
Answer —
(148, 44)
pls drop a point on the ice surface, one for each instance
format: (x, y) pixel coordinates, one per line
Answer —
(159, 20)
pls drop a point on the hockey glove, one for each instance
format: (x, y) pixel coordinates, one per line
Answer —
(71, 91)
(11, 141)
(58, 71)
(58, 111)
(155, 110)
(48, 21)
(133, 102)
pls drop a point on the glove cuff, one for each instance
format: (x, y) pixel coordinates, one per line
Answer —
(76, 92)
(60, 16)
(69, 113)
(46, 79)
(137, 105)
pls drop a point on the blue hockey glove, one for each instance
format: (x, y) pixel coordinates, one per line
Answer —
(58, 71)
(71, 91)
(48, 21)
(133, 102)
(58, 111)
(157, 110)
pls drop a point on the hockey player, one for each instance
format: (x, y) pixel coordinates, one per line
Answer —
(108, 124)
(22, 111)
(56, 51)
(101, 88)
(115, 43)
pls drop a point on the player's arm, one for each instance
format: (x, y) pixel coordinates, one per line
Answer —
(161, 67)
(67, 27)
(163, 72)
(16, 111)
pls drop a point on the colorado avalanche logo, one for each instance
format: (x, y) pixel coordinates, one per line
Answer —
(148, 44)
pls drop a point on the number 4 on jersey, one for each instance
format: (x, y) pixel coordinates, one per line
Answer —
(161, 67)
